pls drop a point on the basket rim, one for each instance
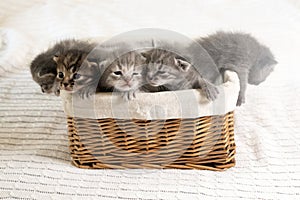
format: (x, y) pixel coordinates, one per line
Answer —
(151, 106)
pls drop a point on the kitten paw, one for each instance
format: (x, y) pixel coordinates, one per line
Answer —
(83, 95)
(129, 95)
(240, 101)
(57, 92)
(86, 93)
(211, 92)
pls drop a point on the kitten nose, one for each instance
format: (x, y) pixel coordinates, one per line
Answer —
(66, 84)
(127, 80)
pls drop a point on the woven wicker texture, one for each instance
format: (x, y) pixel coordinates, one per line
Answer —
(201, 143)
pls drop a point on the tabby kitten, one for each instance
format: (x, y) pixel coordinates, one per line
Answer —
(43, 67)
(124, 75)
(76, 74)
(240, 52)
(173, 72)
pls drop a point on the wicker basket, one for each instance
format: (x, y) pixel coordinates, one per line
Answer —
(201, 138)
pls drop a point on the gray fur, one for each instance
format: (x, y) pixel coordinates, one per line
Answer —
(173, 72)
(43, 67)
(124, 74)
(43, 71)
(240, 52)
(192, 52)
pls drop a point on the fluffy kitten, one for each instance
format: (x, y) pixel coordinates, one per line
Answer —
(75, 73)
(167, 69)
(43, 67)
(125, 75)
(241, 53)
(43, 71)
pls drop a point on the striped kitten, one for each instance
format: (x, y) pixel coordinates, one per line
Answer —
(124, 75)
(43, 67)
(167, 69)
(75, 73)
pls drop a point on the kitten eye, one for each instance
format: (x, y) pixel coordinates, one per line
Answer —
(135, 74)
(76, 76)
(60, 75)
(118, 73)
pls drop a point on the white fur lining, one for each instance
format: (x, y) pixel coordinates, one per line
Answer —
(159, 105)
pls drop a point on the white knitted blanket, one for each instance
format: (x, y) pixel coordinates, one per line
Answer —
(34, 155)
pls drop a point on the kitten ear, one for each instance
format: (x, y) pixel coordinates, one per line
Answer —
(143, 59)
(48, 75)
(55, 58)
(92, 64)
(182, 64)
(146, 55)
(103, 63)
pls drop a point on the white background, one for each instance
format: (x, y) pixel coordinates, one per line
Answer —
(34, 160)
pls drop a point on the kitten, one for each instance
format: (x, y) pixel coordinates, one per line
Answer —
(124, 75)
(173, 72)
(241, 53)
(43, 71)
(77, 74)
(43, 67)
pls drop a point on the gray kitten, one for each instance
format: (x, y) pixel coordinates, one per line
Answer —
(43, 71)
(240, 52)
(173, 72)
(77, 74)
(124, 74)
(43, 67)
